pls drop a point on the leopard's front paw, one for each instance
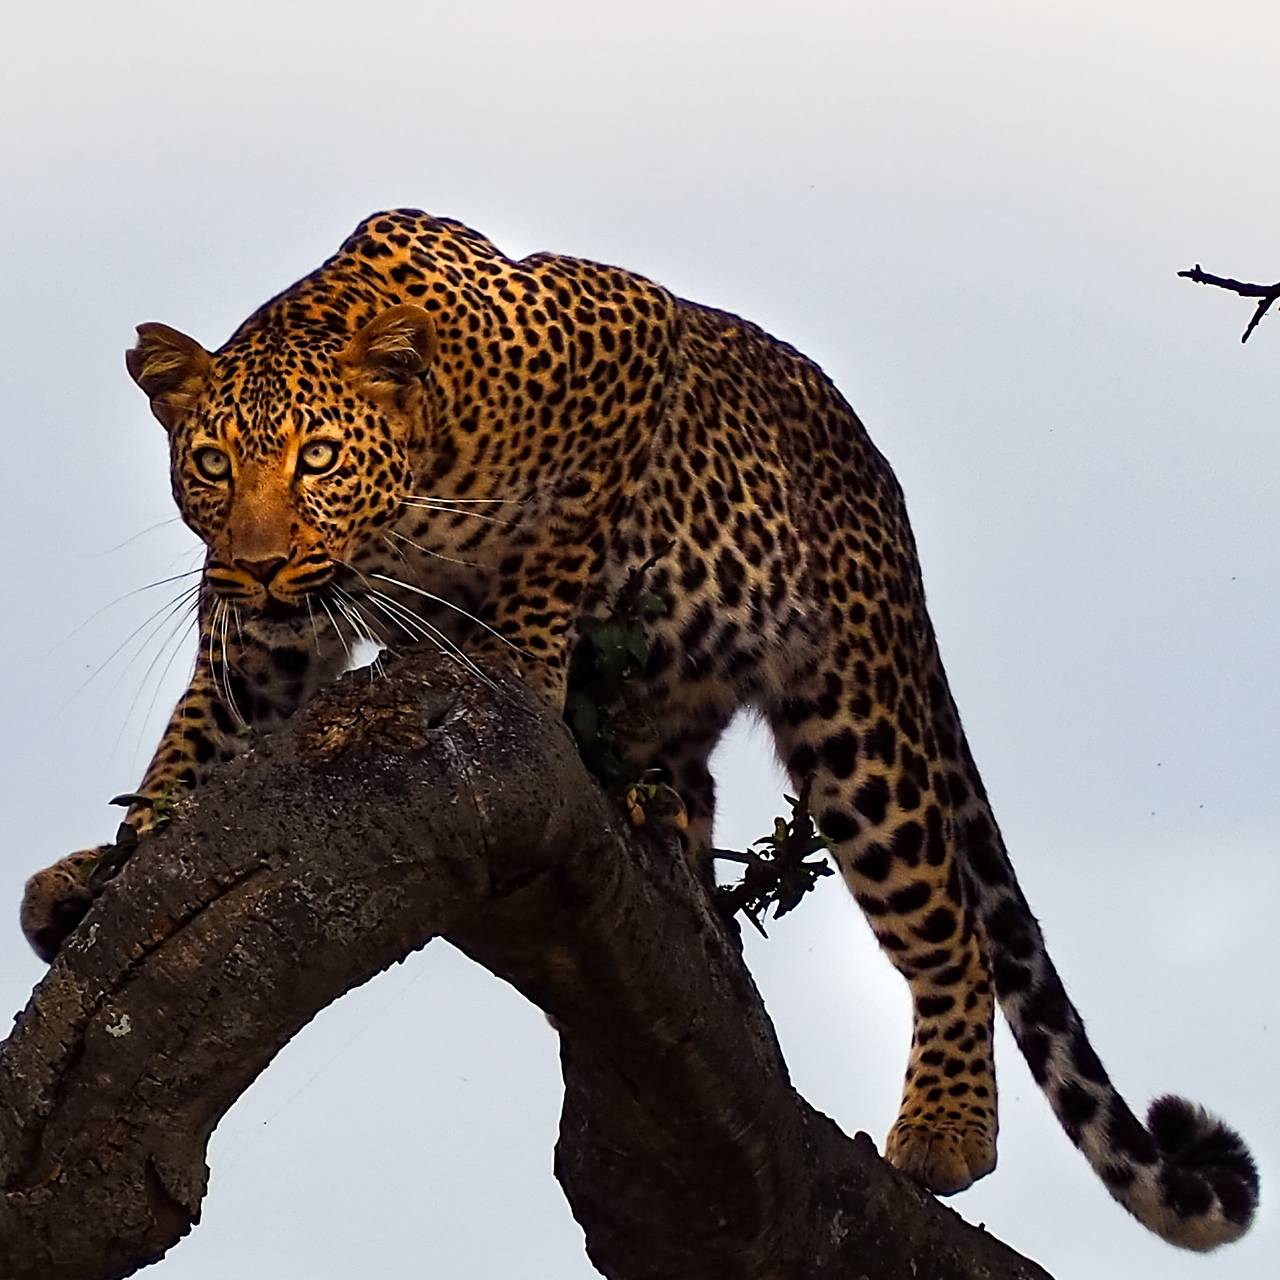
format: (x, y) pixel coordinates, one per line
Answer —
(57, 899)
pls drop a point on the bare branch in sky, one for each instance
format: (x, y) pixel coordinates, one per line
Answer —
(1265, 293)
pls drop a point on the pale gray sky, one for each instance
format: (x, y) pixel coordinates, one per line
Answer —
(971, 215)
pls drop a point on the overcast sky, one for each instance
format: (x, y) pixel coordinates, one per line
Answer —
(971, 216)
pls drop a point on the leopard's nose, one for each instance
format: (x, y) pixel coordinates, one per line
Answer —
(263, 570)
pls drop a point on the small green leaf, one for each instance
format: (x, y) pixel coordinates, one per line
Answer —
(607, 637)
(637, 644)
(586, 721)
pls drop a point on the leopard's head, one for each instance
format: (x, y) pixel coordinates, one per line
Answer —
(290, 448)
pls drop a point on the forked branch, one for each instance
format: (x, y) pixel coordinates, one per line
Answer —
(1265, 293)
(380, 818)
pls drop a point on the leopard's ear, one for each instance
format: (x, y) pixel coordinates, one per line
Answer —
(170, 367)
(392, 351)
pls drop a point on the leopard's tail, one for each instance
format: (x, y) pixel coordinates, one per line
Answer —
(1184, 1174)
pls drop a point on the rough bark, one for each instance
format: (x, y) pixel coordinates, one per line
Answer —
(382, 817)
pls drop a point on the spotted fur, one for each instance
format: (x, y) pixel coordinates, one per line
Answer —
(430, 441)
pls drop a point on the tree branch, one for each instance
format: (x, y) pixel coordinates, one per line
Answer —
(1265, 293)
(382, 817)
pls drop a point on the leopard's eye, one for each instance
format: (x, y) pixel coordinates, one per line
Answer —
(212, 464)
(318, 457)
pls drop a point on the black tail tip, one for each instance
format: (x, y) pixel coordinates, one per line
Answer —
(1197, 1149)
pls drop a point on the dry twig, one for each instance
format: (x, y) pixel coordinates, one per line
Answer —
(1266, 294)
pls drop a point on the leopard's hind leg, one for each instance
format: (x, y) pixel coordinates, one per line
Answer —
(880, 792)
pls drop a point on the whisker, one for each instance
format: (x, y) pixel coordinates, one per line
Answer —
(351, 607)
(493, 468)
(97, 613)
(235, 615)
(449, 511)
(311, 617)
(372, 634)
(167, 609)
(404, 617)
(192, 624)
(407, 619)
(142, 533)
(213, 627)
(226, 671)
(438, 637)
(180, 711)
(403, 622)
(179, 629)
(448, 604)
(355, 625)
(466, 502)
(400, 555)
(184, 616)
(355, 615)
(426, 551)
(334, 623)
(200, 551)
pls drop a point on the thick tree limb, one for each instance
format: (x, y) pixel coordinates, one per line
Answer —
(381, 818)
(1266, 294)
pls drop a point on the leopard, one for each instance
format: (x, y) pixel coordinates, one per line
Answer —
(426, 442)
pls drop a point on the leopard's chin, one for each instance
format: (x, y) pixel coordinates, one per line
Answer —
(274, 610)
